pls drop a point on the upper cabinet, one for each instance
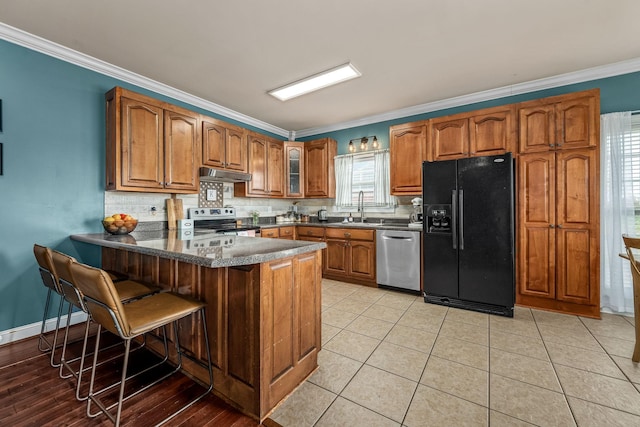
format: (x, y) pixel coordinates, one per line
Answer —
(223, 145)
(319, 169)
(152, 146)
(294, 169)
(407, 151)
(266, 166)
(560, 122)
(486, 132)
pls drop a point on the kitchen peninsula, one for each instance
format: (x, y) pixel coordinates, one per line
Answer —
(263, 306)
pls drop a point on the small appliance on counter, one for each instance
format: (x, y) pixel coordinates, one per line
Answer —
(322, 214)
(415, 217)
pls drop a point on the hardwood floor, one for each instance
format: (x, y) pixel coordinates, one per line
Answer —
(32, 393)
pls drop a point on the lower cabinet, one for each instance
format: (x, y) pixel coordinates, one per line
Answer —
(351, 255)
(287, 232)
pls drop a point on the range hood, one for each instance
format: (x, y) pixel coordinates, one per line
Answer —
(223, 175)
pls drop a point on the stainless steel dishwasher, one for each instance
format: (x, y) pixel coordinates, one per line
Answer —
(398, 259)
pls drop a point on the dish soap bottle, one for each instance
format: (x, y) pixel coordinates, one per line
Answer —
(350, 217)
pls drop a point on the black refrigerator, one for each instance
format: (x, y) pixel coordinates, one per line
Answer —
(468, 225)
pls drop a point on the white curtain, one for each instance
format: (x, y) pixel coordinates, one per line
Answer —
(344, 168)
(382, 188)
(617, 212)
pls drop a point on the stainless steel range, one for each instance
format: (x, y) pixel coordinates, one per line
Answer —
(219, 220)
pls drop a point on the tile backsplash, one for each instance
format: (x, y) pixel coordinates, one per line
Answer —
(152, 206)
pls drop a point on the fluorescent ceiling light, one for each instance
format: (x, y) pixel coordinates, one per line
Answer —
(318, 81)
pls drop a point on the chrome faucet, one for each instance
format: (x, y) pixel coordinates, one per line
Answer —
(361, 205)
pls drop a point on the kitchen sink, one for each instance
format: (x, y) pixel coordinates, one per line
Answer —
(359, 224)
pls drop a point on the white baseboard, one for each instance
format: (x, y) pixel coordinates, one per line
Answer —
(33, 329)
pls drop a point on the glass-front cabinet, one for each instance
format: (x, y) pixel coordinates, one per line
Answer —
(294, 152)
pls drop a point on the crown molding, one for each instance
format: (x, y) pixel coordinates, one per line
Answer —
(610, 70)
(55, 50)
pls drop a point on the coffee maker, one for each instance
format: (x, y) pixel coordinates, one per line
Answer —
(415, 217)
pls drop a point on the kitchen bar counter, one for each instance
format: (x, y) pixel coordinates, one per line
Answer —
(206, 249)
(263, 310)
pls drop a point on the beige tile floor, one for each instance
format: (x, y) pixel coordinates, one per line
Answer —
(389, 359)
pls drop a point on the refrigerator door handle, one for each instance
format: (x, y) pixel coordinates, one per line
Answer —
(454, 222)
(461, 220)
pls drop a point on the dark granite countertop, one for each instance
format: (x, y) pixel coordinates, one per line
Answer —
(372, 225)
(205, 248)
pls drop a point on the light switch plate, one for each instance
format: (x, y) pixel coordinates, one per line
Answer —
(212, 194)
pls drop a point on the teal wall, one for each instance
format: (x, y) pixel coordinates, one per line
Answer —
(620, 93)
(54, 160)
(53, 183)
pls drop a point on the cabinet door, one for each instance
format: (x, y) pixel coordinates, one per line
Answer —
(537, 127)
(272, 233)
(180, 151)
(492, 132)
(257, 166)
(287, 233)
(407, 151)
(450, 138)
(336, 257)
(318, 165)
(213, 144)
(294, 170)
(142, 145)
(536, 207)
(362, 256)
(577, 269)
(577, 122)
(275, 168)
(236, 150)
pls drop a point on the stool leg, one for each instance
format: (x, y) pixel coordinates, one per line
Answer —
(55, 334)
(125, 364)
(63, 362)
(44, 321)
(84, 353)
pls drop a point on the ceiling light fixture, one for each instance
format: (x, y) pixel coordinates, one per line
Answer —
(317, 81)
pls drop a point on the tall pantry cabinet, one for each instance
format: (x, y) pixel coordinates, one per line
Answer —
(558, 204)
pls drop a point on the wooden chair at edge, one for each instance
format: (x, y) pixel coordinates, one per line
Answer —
(631, 243)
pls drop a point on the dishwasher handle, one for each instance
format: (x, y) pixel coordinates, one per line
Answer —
(397, 237)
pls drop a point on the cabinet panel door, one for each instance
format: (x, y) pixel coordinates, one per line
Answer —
(309, 307)
(577, 122)
(362, 259)
(275, 168)
(578, 216)
(236, 150)
(537, 128)
(213, 144)
(294, 169)
(450, 139)
(536, 207)
(142, 145)
(336, 256)
(257, 165)
(316, 166)
(492, 133)
(408, 149)
(181, 156)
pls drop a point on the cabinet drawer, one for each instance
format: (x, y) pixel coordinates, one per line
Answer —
(269, 232)
(349, 233)
(287, 232)
(310, 231)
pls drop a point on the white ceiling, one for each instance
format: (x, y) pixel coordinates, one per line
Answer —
(410, 52)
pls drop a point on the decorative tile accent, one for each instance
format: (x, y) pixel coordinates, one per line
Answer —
(202, 196)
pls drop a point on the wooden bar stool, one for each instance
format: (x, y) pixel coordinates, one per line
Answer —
(128, 290)
(631, 243)
(130, 321)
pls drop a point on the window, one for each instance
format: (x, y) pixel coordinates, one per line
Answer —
(632, 160)
(366, 172)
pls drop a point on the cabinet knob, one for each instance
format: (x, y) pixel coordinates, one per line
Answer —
(559, 225)
(551, 145)
(551, 226)
(559, 145)
(347, 234)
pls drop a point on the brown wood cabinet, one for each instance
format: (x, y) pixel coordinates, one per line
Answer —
(559, 267)
(266, 166)
(294, 169)
(152, 146)
(223, 145)
(287, 232)
(351, 255)
(486, 132)
(407, 151)
(560, 122)
(319, 169)
(272, 232)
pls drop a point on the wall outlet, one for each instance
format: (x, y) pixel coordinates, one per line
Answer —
(212, 194)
